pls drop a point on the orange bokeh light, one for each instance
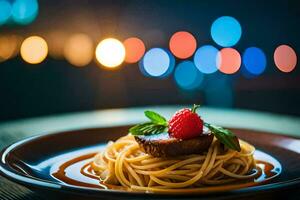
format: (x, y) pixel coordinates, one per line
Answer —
(79, 49)
(9, 46)
(182, 44)
(34, 49)
(285, 58)
(135, 49)
(229, 60)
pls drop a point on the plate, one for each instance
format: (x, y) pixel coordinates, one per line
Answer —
(32, 161)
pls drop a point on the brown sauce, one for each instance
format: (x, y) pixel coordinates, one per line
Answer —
(78, 172)
(84, 169)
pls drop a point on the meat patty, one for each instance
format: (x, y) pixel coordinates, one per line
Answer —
(162, 145)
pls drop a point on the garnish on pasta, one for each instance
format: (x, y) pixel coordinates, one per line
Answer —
(181, 154)
(183, 125)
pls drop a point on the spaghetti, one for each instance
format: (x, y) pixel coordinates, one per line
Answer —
(125, 163)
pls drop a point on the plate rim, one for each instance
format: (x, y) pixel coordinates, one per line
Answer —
(16, 177)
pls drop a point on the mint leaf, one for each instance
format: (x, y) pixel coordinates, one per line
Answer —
(148, 128)
(225, 136)
(155, 117)
(195, 107)
(158, 124)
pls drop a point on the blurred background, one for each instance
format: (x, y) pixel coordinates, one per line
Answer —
(76, 55)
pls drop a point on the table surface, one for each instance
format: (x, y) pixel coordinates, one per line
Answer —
(16, 130)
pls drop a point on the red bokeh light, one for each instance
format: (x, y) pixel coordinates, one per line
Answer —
(229, 60)
(285, 58)
(182, 44)
(134, 48)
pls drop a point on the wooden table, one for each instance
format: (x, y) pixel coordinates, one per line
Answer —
(16, 130)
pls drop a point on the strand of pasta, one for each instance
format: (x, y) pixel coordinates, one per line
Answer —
(126, 163)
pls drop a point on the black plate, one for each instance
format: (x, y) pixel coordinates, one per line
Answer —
(29, 162)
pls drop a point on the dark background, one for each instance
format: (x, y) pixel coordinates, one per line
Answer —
(55, 86)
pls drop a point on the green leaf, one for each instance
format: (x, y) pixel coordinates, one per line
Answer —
(157, 125)
(225, 136)
(148, 128)
(195, 107)
(155, 117)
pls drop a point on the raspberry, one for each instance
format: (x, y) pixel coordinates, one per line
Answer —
(185, 124)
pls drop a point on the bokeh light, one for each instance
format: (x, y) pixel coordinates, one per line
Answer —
(5, 11)
(56, 43)
(285, 58)
(205, 59)
(182, 44)
(187, 76)
(229, 60)
(34, 49)
(254, 60)
(24, 11)
(142, 68)
(9, 46)
(110, 52)
(171, 65)
(165, 74)
(157, 62)
(135, 49)
(226, 31)
(79, 49)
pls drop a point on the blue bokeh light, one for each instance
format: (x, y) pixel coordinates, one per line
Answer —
(226, 31)
(254, 60)
(171, 65)
(142, 68)
(5, 11)
(205, 59)
(246, 73)
(157, 62)
(24, 11)
(187, 76)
